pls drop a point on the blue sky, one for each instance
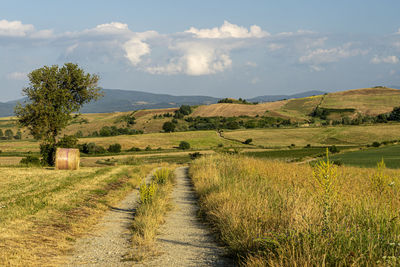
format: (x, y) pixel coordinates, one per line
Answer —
(218, 48)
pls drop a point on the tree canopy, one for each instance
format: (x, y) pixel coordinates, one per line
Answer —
(53, 94)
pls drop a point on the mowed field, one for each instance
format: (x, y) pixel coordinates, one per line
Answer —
(43, 211)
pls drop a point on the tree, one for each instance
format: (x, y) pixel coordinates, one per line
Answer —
(53, 94)
(9, 134)
(115, 148)
(1, 133)
(184, 145)
(395, 114)
(168, 127)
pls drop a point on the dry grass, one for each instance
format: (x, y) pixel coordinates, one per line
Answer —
(43, 211)
(155, 202)
(370, 101)
(275, 214)
(235, 110)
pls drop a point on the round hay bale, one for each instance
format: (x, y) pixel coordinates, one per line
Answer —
(67, 159)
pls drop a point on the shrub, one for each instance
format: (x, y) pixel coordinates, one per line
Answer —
(184, 145)
(333, 149)
(9, 134)
(148, 148)
(91, 148)
(248, 141)
(376, 144)
(30, 161)
(133, 149)
(48, 153)
(185, 109)
(68, 141)
(308, 146)
(168, 127)
(115, 148)
(195, 155)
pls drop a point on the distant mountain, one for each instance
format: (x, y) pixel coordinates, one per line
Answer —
(271, 98)
(125, 100)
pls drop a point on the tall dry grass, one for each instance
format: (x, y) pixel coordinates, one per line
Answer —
(278, 214)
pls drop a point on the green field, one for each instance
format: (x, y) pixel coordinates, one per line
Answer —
(288, 154)
(369, 157)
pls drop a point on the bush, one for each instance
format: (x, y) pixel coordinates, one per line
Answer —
(168, 127)
(184, 145)
(30, 161)
(48, 153)
(148, 148)
(91, 148)
(68, 141)
(134, 149)
(248, 141)
(115, 148)
(376, 144)
(195, 155)
(333, 149)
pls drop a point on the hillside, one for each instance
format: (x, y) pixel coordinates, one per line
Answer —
(115, 100)
(350, 104)
(367, 101)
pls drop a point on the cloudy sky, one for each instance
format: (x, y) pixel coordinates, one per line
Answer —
(219, 48)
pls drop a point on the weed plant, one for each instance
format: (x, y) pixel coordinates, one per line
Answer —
(154, 203)
(271, 213)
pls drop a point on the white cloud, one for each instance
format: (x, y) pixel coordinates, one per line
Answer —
(135, 49)
(195, 59)
(18, 76)
(229, 30)
(15, 28)
(389, 60)
(320, 56)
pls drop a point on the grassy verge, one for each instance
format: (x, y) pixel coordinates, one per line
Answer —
(43, 211)
(271, 213)
(154, 203)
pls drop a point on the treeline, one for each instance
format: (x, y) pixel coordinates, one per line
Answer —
(323, 113)
(110, 131)
(236, 101)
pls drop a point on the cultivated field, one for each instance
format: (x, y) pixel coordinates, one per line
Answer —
(278, 214)
(321, 136)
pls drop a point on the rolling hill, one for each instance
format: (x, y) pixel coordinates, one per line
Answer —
(115, 100)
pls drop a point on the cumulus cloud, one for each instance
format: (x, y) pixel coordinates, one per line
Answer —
(17, 76)
(389, 60)
(229, 30)
(195, 59)
(15, 28)
(321, 56)
(135, 49)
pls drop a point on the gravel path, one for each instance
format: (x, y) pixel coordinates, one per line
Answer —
(111, 239)
(184, 240)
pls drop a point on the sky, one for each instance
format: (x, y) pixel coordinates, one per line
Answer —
(217, 48)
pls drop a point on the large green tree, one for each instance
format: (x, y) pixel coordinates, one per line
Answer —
(53, 94)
